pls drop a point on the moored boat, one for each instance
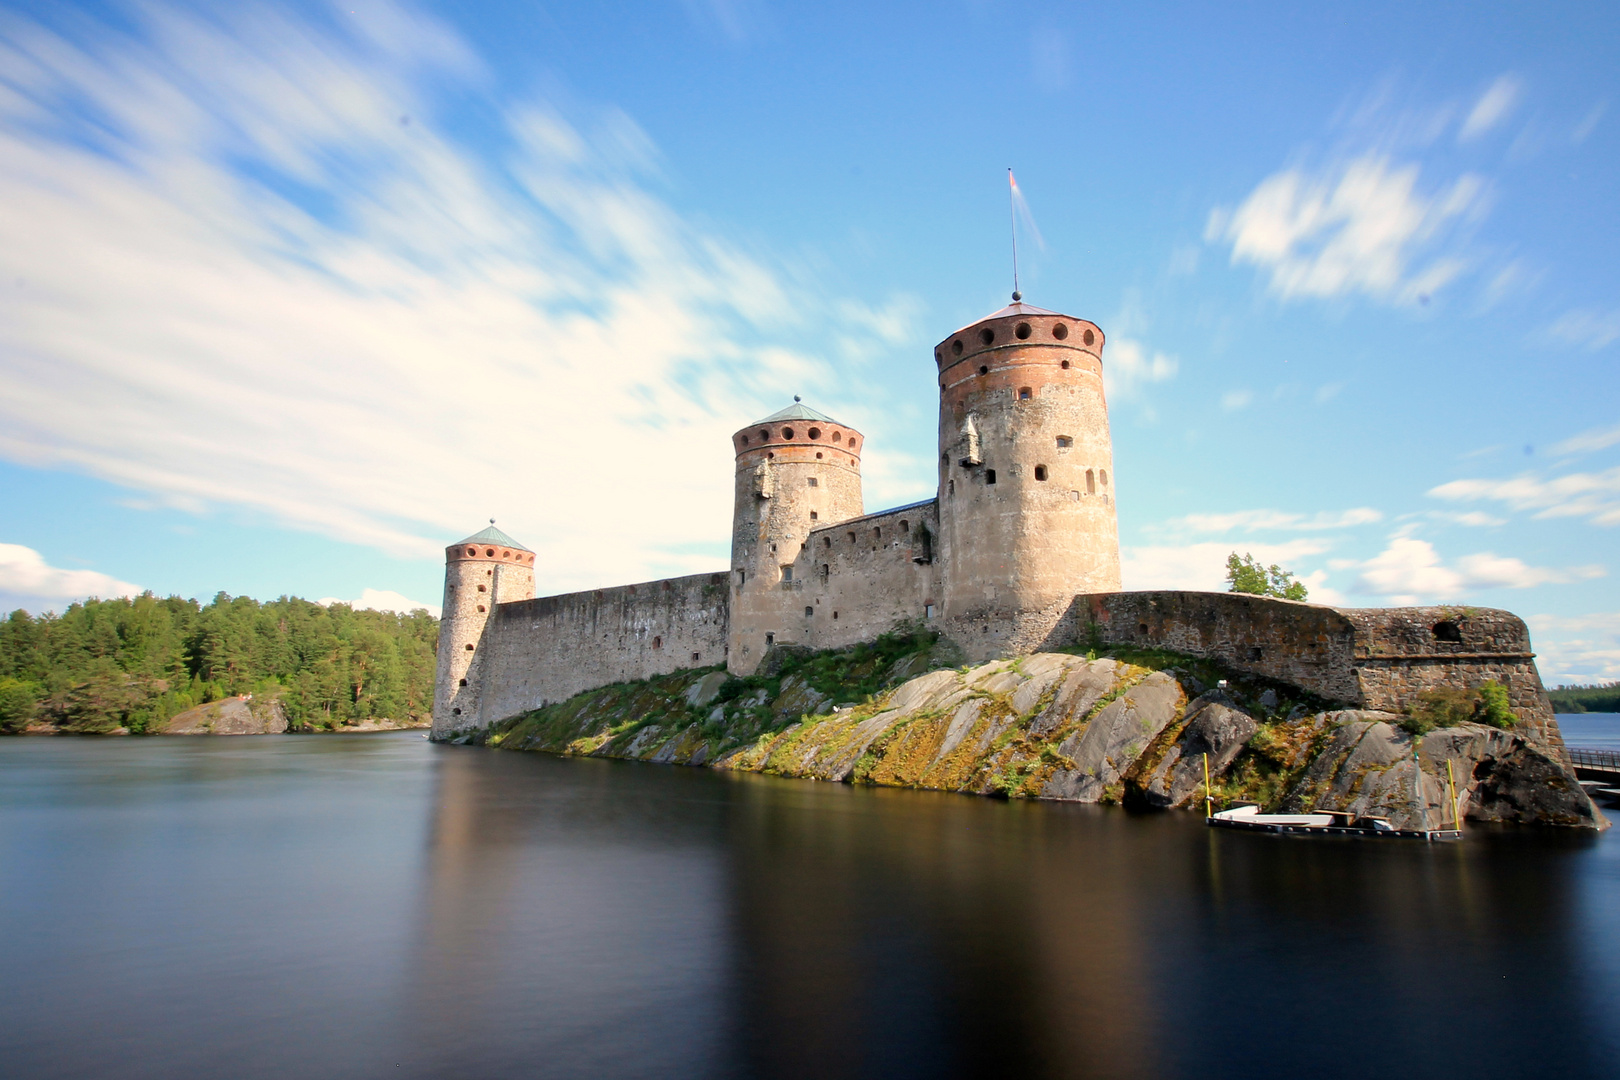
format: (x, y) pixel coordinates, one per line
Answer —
(1321, 823)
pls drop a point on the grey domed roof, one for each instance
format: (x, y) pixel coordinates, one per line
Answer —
(492, 535)
(1018, 308)
(798, 411)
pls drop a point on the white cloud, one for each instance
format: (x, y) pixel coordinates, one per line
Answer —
(1203, 566)
(1474, 519)
(1588, 441)
(1589, 122)
(1233, 400)
(25, 573)
(1410, 571)
(1492, 108)
(246, 265)
(1587, 328)
(383, 600)
(1129, 367)
(1577, 648)
(1590, 495)
(1328, 392)
(1355, 227)
(1279, 520)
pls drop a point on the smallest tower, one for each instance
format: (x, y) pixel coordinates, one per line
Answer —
(486, 569)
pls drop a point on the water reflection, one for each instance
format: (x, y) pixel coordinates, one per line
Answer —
(381, 907)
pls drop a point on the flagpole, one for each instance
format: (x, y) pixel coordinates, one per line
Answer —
(1012, 225)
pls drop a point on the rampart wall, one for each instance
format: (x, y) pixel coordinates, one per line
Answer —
(856, 579)
(1373, 658)
(548, 649)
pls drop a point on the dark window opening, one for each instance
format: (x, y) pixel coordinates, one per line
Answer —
(1040, 472)
(814, 516)
(787, 433)
(1022, 331)
(989, 476)
(815, 433)
(1025, 393)
(987, 335)
(835, 614)
(456, 711)
(770, 639)
(787, 573)
(483, 588)
(1088, 337)
(1254, 653)
(956, 346)
(809, 611)
(1091, 482)
(1447, 631)
(814, 481)
(469, 648)
(480, 607)
(1060, 332)
(658, 642)
(696, 657)
(463, 682)
(905, 526)
(1064, 442)
(826, 572)
(984, 369)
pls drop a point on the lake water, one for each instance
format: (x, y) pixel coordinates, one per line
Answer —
(376, 906)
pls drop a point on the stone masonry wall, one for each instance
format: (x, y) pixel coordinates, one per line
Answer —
(540, 651)
(1373, 658)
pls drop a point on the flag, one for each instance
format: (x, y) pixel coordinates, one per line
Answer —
(1021, 207)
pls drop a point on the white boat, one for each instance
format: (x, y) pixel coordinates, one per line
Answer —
(1320, 823)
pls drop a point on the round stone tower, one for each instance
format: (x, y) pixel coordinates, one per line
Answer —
(796, 470)
(1026, 479)
(486, 569)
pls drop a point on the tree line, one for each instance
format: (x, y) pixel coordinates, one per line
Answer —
(1600, 697)
(102, 665)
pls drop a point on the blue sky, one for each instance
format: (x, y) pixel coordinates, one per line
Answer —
(292, 296)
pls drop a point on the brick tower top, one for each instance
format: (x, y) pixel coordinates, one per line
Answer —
(799, 433)
(489, 545)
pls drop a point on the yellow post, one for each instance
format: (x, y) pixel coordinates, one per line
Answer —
(1451, 779)
(1209, 801)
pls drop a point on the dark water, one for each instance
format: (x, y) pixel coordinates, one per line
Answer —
(373, 906)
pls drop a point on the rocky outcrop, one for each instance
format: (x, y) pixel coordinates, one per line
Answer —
(244, 715)
(1061, 726)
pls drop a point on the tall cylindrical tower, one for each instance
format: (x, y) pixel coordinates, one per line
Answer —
(486, 569)
(1026, 479)
(796, 470)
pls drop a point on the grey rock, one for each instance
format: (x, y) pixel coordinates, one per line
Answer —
(1213, 727)
(1084, 686)
(705, 689)
(1114, 738)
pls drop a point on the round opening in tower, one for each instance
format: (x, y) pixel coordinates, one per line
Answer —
(956, 347)
(1088, 337)
(787, 433)
(1060, 331)
(983, 370)
(1022, 331)
(489, 553)
(1065, 365)
(815, 433)
(472, 551)
(987, 335)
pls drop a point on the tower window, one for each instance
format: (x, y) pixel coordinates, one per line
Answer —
(658, 642)
(745, 440)
(814, 516)
(826, 572)
(1065, 365)
(852, 442)
(1102, 474)
(787, 433)
(956, 346)
(472, 551)
(1025, 393)
(1091, 482)
(696, 657)
(984, 369)
(456, 711)
(809, 611)
(787, 573)
(483, 588)
(1064, 442)
(490, 552)
(1040, 472)
(877, 533)
(480, 607)
(815, 433)
(770, 638)
(1022, 331)
(837, 435)
(987, 335)
(989, 476)
(1088, 337)
(826, 541)
(469, 647)
(814, 481)
(818, 455)
(763, 435)
(463, 682)
(1060, 331)
(835, 615)
(928, 611)
(852, 538)
(905, 526)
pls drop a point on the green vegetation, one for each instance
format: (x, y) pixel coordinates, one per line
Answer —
(1246, 575)
(104, 665)
(1449, 706)
(1601, 697)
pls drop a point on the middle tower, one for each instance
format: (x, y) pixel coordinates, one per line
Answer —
(1026, 479)
(796, 470)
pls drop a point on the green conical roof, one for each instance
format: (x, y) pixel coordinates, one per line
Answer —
(798, 411)
(492, 535)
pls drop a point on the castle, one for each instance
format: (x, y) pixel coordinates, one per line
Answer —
(1018, 552)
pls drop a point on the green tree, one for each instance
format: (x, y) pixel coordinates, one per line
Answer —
(1246, 575)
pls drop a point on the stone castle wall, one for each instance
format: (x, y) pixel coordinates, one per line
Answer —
(1373, 658)
(540, 651)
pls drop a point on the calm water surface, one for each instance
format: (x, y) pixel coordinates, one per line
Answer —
(375, 906)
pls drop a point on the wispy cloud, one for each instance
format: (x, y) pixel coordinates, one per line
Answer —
(244, 264)
(1492, 107)
(1587, 328)
(1130, 367)
(25, 575)
(1411, 571)
(1577, 648)
(384, 600)
(1356, 226)
(1251, 521)
(1592, 495)
(1588, 441)
(1233, 400)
